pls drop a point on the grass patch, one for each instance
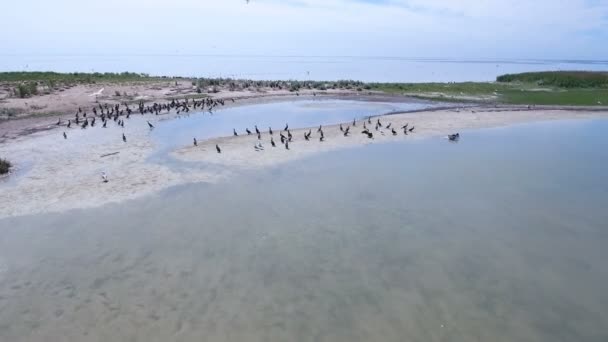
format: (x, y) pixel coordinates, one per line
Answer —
(5, 165)
(541, 88)
(567, 97)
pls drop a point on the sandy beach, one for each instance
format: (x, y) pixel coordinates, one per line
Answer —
(54, 174)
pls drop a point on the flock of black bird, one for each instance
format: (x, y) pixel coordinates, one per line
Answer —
(288, 137)
(118, 113)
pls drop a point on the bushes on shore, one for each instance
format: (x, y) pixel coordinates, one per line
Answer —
(5, 165)
(28, 89)
(562, 79)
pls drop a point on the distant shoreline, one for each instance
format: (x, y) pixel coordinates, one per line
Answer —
(49, 94)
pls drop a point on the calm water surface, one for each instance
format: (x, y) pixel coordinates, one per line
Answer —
(368, 69)
(500, 237)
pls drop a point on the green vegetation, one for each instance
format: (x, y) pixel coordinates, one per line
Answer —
(52, 78)
(5, 165)
(562, 79)
(26, 89)
(559, 97)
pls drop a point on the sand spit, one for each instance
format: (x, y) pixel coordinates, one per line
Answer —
(53, 175)
(240, 151)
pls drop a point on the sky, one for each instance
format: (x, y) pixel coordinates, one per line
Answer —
(551, 29)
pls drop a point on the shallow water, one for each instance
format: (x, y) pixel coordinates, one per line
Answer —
(500, 237)
(172, 134)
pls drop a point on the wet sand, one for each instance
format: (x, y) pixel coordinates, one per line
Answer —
(63, 175)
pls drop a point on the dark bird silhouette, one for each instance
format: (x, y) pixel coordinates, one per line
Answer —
(368, 133)
(287, 145)
(69, 123)
(195, 142)
(272, 142)
(65, 136)
(150, 125)
(124, 138)
(259, 136)
(306, 136)
(218, 149)
(354, 123)
(411, 129)
(394, 132)
(454, 137)
(248, 131)
(388, 126)
(58, 122)
(234, 132)
(369, 120)
(319, 129)
(341, 129)
(104, 177)
(257, 131)
(378, 123)
(270, 130)
(104, 124)
(347, 131)
(286, 127)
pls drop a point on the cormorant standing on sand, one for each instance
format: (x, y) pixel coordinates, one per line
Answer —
(217, 148)
(272, 142)
(65, 136)
(195, 142)
(150, 125)
(234, 132)
(124, 138)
